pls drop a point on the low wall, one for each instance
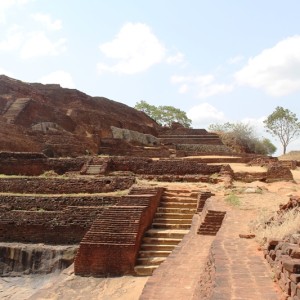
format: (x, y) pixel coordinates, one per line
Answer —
(67, 226)
(163, 167)
(111, 245)
(56, 203)
(64, 185)
(34, 164)
(250, 176)
(284, 259)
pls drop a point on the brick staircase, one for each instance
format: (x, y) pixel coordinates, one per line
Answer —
(96, 167)
(15, 109)
(212, 222)
(171, 222)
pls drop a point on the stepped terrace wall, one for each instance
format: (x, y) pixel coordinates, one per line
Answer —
(111, 245)
(120, 147)
(53, 203)
(34, 164)
(163, 167)
(67, 226)
(41, 185)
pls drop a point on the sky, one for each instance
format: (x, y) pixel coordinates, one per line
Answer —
(219, 61)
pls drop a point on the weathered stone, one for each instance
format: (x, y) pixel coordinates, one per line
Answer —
(292, 265)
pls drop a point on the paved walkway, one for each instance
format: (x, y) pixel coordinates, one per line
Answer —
(240, 271)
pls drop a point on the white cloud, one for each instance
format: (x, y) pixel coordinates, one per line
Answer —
(214, 89)
(275, 70)
(205, 114)
(235, 60)
(135, 49)
(38, 44)
(204, 85)
(257, 124)
(47, 21)
(5, 5)
(184, 88)
(13, 40)
(175, 59)
(60, 77)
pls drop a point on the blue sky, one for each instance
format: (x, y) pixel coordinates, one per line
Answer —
(217, 60)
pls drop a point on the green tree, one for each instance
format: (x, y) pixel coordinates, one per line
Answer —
(241, 137)
(284, 125)
(164, 115)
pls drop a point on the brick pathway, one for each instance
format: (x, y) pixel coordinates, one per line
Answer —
(239, 273)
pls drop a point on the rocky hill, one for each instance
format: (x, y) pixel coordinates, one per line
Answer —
(60, 121)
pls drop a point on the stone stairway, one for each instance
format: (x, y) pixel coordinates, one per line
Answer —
(212, 222)
(93, 169)
(96, 167)
(171, 222)
(15, 109)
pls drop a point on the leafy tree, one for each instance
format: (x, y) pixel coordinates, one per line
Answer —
(284, 125)
(241, 137)
(164, 115)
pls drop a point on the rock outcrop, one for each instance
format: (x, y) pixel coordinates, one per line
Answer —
(59, 121)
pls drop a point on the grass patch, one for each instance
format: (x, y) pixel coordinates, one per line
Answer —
(233, 200)
(276, 226)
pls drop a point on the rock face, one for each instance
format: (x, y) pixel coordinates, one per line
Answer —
(59, 121)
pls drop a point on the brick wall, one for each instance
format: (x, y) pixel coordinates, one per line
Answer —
(41, 185)
(67, 226)
(163, 167)
(111, 245)
(53, 203)
(34, 164)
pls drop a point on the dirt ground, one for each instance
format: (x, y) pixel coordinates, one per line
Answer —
(68, 286)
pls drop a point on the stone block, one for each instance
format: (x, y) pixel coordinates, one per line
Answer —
(292, 265)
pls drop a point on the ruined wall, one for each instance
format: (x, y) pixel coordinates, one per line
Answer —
(41, 185)
(163, 167)
(277, 172)
(53, 203)
(111, 245)
(67, 226)
(121, 147)
(34, 164)
(283, 257)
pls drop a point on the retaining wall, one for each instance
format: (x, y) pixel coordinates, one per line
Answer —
(111, 245)
(41, 185)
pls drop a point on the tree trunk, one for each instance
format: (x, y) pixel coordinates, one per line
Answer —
(284, 149)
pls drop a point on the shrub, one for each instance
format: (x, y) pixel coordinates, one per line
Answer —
(233, 200)
(276, 226)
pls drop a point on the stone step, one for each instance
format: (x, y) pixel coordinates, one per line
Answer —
(162, 241)
(207, 232)
(144, 270)
(158, 247)
(150, 261)
(184, 193)
(162, 215)
(171, 226)
(154, 253)
(166, 233)
(171, 221)
(178, 199)
(178, 205)
(176, 210)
